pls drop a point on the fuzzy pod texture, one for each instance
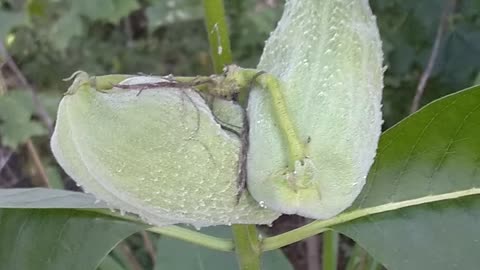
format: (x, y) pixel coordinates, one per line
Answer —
(160, 154)
(328, 55)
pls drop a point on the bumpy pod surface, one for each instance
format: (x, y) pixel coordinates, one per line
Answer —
(160, 154)
(328, 55)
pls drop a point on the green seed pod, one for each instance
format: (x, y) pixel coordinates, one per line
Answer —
(160, 154)
(328, 55)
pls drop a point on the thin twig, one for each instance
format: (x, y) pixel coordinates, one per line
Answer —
(38, 164)
(442, 28)
(40, 109)
(149, 248)
(4, 158)
(3, 84)
(127, 27)
(313, 253)
(134, 264)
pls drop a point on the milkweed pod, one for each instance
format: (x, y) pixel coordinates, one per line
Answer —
(160, 154)
(328, 55)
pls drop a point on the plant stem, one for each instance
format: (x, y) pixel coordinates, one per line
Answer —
(194, 237)
(247, 245)
(217, 34)
(290, 237)
(330, 250)
(284, 239)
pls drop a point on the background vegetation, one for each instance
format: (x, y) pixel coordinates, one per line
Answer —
(432, 48)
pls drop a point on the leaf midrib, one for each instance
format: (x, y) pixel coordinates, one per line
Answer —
(319, 226)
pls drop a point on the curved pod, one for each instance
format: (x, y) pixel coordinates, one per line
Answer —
(160, 154)
(328, 55)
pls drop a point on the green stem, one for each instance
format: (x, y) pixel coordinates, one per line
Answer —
(290, 237)
(275, 90)
(195, 237)
(295, 146)
(330, 250)
(247, 246)
(319, 226)
(217, 34)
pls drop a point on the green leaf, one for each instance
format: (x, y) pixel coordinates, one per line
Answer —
(42, 198)
(175, 254)
(35, 235)
(58, 238)
(64, 29)
(16, 125)
(163, 13)
(432, 156)
(79, 235)
(9, 20)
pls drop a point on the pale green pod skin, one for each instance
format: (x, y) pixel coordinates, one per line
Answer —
(160, 155)
(328, 55)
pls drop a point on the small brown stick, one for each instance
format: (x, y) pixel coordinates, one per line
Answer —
(4, 158)
(313, 252)
(3, 84)
(132, 260)
(442, 28)
(38, 164)
(168, 83)
(149, 248)
(127, 27)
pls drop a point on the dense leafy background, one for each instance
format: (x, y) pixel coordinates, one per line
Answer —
(50, 39)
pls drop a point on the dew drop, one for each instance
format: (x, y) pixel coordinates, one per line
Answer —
(262, 204)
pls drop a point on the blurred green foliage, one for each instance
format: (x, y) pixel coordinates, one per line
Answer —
(51, 39)
(408, 29)
(16, 126)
